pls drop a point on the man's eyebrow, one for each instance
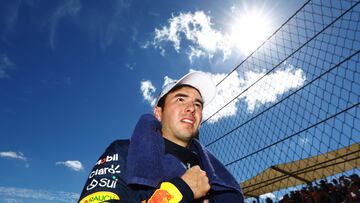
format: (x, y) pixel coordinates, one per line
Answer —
(181, 95)
(185, 95)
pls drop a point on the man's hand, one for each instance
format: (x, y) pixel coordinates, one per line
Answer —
(197, 180)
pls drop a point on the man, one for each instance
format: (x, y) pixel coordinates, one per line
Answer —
(179, 110)
(164, 163)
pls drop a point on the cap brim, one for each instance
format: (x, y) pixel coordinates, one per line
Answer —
(199, 80)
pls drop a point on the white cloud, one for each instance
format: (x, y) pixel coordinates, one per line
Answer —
(269, 88)
(195, 28)
(148, 90)
(195, 33)
(74, 165)
(167, 80)
(226, 91)
(17, 194)
(193, 52)
(13, 155)
(145, 45)
(5, 65)
(270, 195)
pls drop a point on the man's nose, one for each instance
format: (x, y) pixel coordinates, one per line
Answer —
(190, 107)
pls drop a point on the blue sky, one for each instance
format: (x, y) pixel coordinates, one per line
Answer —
(76, 75)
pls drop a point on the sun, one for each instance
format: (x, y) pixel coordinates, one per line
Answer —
(249, 31)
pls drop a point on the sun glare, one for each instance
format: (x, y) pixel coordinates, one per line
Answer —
(249, 31)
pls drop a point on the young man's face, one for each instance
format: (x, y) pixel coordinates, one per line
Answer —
(181, 115)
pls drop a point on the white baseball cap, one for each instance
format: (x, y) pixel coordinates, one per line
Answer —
(199, 80)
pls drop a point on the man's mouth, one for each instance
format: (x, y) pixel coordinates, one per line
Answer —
(186, 120)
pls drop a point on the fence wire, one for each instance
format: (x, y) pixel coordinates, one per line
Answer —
(296, 97)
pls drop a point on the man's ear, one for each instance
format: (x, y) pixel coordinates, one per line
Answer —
(158, 113)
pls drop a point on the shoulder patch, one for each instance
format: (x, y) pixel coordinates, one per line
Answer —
(100, 196)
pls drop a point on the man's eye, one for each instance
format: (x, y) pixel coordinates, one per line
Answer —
(198, 105)
(180, 99)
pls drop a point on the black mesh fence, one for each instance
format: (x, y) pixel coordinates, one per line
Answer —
(288, 115)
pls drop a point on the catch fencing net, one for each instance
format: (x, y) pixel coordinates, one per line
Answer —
(289, 113)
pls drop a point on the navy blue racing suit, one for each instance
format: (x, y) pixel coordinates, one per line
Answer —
(106, 181)
(141, 170)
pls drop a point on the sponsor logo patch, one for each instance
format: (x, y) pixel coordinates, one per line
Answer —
(106, 170)
(99, 197)
(160, 196)
(106, 159)
(103, 182)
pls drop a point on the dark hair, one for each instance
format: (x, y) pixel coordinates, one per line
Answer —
(161, 102)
